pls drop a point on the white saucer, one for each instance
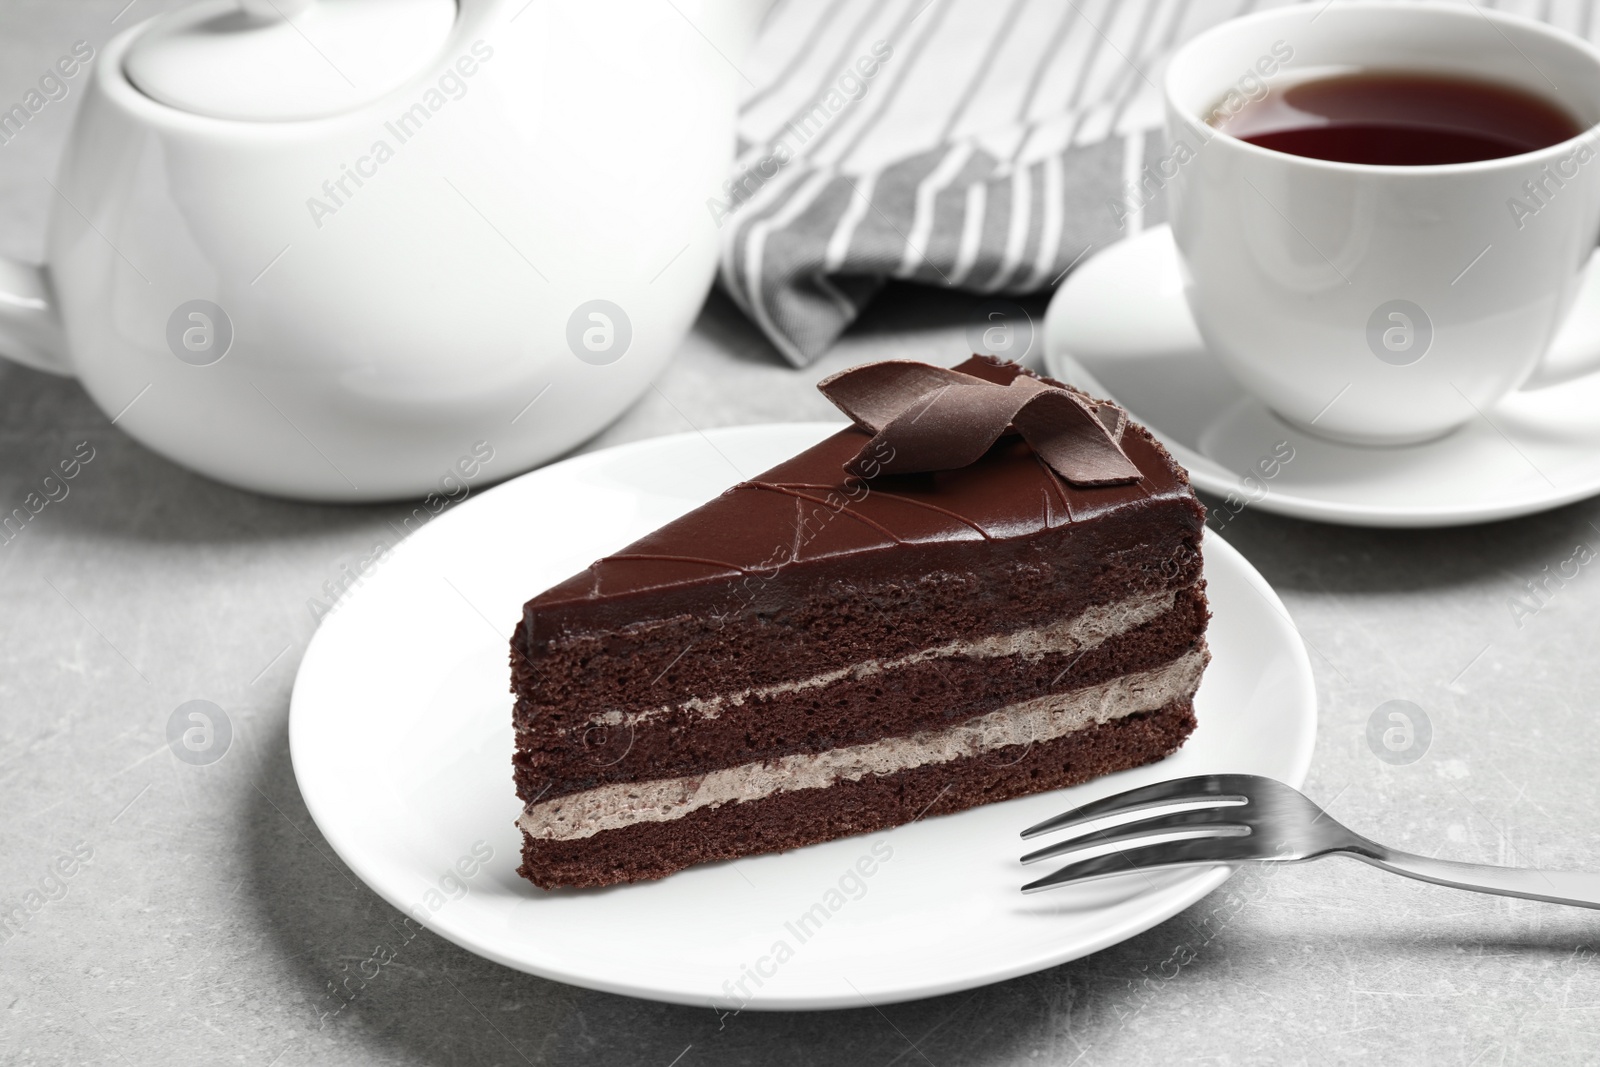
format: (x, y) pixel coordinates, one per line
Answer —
(400, 729)
(1119, 327)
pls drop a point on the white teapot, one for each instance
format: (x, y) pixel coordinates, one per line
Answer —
(336, 249)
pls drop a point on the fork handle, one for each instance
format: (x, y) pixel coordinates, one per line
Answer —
(1578, 888)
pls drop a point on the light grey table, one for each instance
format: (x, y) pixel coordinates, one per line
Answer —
(211, 917)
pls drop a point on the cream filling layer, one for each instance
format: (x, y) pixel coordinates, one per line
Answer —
(1090, 627)
(611, 807)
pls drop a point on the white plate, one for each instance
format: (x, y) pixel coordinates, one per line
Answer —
(400, 729)
(1119, 327)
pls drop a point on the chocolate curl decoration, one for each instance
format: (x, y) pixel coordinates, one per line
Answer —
(927, 418)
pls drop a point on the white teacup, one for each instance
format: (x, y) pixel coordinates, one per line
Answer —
(1381, 304)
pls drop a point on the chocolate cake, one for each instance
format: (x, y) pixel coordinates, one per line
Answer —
(989, 586)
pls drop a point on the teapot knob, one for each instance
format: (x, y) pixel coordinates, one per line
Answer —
(274, 9)
(287, 60)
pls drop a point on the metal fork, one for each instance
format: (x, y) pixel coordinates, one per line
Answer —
(1236, 818)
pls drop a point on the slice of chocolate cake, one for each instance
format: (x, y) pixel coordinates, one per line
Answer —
(989, 586)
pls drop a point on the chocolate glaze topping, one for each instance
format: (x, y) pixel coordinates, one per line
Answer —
(807, 510)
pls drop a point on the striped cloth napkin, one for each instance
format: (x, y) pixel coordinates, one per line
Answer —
(985, 145)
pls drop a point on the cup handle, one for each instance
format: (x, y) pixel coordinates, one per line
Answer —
(1575, 351)
(30, 325)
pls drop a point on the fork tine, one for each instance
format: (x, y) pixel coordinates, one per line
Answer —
(1162, 794)
(1073, 822)
(1210, 818)
(1166, 855)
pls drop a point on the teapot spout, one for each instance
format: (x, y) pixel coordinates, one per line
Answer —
(30, 328)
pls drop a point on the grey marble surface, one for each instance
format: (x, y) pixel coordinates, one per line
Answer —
(211, 917)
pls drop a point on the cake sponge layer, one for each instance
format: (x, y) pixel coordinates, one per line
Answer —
(931, 689)
(874, 802)
(1042, 718)
(807, 620)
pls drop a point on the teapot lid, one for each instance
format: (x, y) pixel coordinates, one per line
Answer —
(286, 60)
